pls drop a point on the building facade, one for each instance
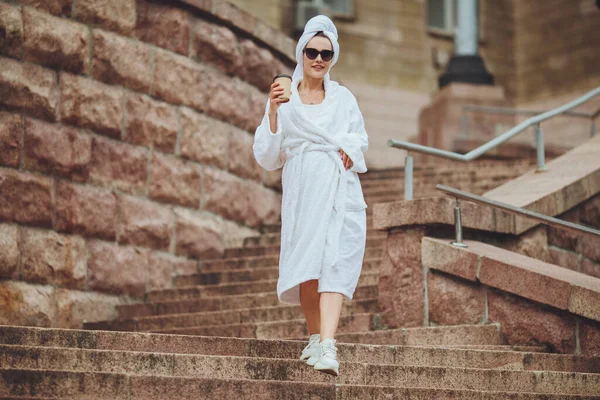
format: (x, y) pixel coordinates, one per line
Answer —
(392, 52)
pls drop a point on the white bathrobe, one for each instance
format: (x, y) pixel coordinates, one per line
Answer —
(323, 232)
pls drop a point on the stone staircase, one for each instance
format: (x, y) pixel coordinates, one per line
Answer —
(51, 363)
(221, 333)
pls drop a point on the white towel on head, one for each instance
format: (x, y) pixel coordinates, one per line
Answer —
(320, 23)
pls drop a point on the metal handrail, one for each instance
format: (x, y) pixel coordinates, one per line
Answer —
(460, 194)
(479, 151)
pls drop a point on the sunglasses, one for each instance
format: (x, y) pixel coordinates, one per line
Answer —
(326, 55)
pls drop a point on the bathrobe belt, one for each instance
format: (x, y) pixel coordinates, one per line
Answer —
(338, 190)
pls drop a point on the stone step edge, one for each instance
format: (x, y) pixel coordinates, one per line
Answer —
(417, 356)
(218, 285)
(271, 247)
(581, 383)
(160, 303)
(211, 345)
(211, 263)
(370, 271)
(370, 316)
(136, 320)
(332, 391)
(200, 288)
(91, 335)
(170, 358)
(163, 306)
(228, 284)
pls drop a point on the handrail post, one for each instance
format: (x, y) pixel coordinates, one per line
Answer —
(458, 226)
(408, 177)
(593, 128)
(541, 151)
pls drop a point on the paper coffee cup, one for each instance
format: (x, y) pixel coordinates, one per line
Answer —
(285, 81)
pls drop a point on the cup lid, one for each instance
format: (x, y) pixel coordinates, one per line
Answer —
(281, 76)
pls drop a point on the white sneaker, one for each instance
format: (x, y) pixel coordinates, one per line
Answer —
(315, 357)
(327, 361)
(312, 348)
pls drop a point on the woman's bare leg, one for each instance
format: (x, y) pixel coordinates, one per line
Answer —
(309, 299)
(331, 308)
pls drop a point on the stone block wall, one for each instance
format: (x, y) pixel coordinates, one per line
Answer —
(428, 283)
(126, 131)
(454, 301)
(577, 251)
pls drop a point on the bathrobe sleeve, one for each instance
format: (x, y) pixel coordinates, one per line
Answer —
(267, 145)
(356, 142)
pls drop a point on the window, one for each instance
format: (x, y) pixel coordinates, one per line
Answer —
(306, 9)
(443, 15)
(340, 8)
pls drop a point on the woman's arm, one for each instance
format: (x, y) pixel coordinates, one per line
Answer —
(267, 141)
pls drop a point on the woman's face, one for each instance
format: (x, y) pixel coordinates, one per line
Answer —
(317, 68)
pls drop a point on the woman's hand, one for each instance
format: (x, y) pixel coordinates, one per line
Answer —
(275, 101)
(346, 160)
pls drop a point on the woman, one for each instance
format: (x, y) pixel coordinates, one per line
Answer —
(319, 138)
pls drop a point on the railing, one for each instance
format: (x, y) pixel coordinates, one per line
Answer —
(459, 194)
(479, 151)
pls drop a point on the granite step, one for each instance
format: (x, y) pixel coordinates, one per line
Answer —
(276, 228)
(254, 300)
(248, 274)
(267, 299)
(104, 386)
(496, 357)
(506, 347)
(374, 238)
(393, 184)
(424, 179)
(488, 334)
(221, 265)
(263, 314)
(287, 329)
(245, 252)
(232, 276)
(223, 289)
(241, 367)
(113, 386)
(382, 199)
(239, 252)
(347, 392)
(254, 368)
(271, 228)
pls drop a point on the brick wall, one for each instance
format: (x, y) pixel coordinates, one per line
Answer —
(125, 148)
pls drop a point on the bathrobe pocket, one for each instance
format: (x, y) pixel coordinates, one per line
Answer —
(355, 200)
